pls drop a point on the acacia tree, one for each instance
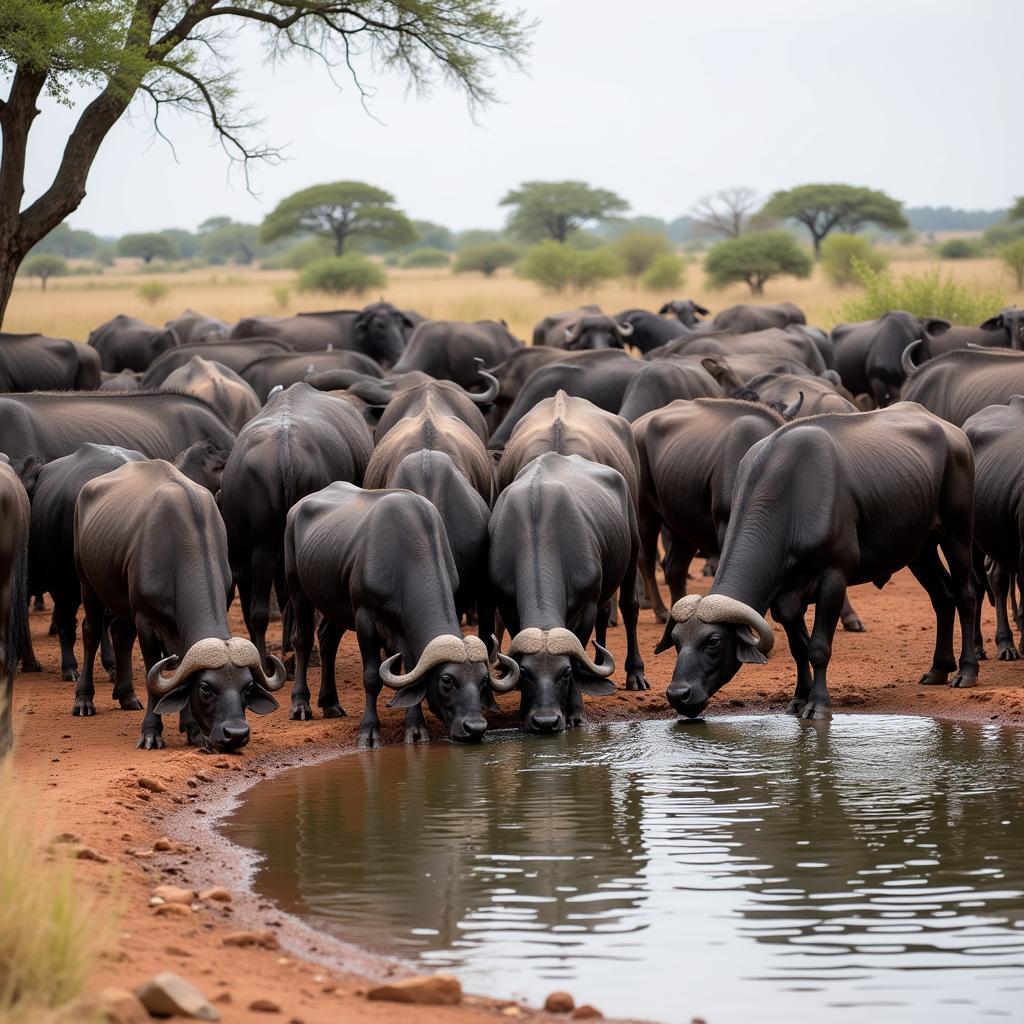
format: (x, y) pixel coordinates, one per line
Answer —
(147, 246)
(756, 258)
(823, 208)
(555, 209)
(342, 211)
(726, 213)
(172, 54)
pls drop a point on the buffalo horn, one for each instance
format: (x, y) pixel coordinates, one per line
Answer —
(441, 649)
(214, 653)
(719, 608)
(907, 359)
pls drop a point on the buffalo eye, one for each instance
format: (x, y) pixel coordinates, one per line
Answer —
(205, 689)
(567, 673)
(713, 642)
(447, 683)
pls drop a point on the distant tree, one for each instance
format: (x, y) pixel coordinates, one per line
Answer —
(478, 236)
(303, 253)
(70, 243)
(1012, 255)
(726, 213)
(485, 258)
(426, 256)
(639, 249)
(667, 271)
(959, 249)
(172, 55)
(186, 244)
(756, 258)
(682, 230)
(1016, 211)
(823, 208)
(841, 254)
(44, 266)
(434, 236)
(230, 243)
(555, 266)
(555, 209)
(1002, 234)
(147, 246)
(214, 224)
(337, 275)
(343, 211)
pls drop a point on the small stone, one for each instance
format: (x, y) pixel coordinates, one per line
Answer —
(164, 845)
(512, 1011)
(66, 837)
(559, 1002)
(177, 951)
(215, 895)
(87, 853)
(224, 998)
(264, 1006)
(173, 894)
(426, 990)
(587, 1012)
(170, 995)
(264, 939)
(112, 1006)
(153, 785)
(173, 910)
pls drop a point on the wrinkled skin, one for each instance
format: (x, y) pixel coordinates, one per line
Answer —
(456, 695)
(707, 657)
(551, 690)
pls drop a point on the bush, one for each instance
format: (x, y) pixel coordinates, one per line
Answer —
(427, 256)
(485, 258)
(282, 296)
(1012, 254)
(927, 294)
(555, 266)
(300, 256)
(339, 274)
(959, 249)
(998, 235)
(152, 291)
(639, 249)
(44, 266)
(838, 253)
(667, 271)
(756, 258)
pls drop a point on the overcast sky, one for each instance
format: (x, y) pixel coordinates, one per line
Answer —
(660, 100)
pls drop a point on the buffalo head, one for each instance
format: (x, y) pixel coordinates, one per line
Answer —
(381, 331)
(713, 636)
(554, 671)
(1010, 320)
(203, 463)
(218, 680)
(685, 311)
(453, 674)
(596, 331)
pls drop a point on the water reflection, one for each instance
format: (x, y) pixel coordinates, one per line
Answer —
(662, 870)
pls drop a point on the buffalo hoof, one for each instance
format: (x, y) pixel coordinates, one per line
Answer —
(83, 708)
(853, 625)
(69, 675)
(637, 681)
(302, 712)
(1007, 651)
(130, 703)
(795, 707)
(934, 678)
(815, 712)
(369, 737)
(150, 740)
(964, 680)
(334, 710)
(417, 734)
(980, 653)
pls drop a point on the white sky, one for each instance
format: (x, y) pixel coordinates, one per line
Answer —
(660, 100)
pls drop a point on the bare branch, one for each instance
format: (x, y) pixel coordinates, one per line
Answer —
(727, 212)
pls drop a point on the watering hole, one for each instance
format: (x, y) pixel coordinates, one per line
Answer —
(736, 869)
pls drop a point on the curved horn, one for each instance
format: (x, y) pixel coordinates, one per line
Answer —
(510, 679)
(160, 685)
(274, 390)
(572, 332)
(373, 391)
(493, 386)
(719, 608)
(441, 649)
(277, 680)
(562, 641)
(907, 359)
(625, 330)
(794, 407)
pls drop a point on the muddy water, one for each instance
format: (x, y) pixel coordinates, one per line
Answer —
(743, 869)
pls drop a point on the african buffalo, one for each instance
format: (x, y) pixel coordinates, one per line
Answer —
(14, 514)
(1004, 330)
(780, 343)
(174, 596)
(513, 372)
(593, 331)
(126, 380)
(218, 386)
(128, 343)
(663, 381)
(303, 332)
(818, 507)
(269, 372)
(649, 331)
(378, 563)
(745, 318)
(235, 355)
(551, 329)
(33, 362)
(449, 349)
(686, 311)
(468, 406)
(193, 328)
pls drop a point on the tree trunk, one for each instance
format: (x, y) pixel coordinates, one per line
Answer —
(8, 271)
(816, 238)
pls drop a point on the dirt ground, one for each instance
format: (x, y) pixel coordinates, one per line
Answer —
(82, 776)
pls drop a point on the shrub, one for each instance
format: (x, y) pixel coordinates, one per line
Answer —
(930, 293)
(838, 253)
(998, 235)
(485, 258)
(1012, 254)
(667, 271)
(592, 267)
(639, 249)
(152, 291)
(339, 274)
(555, 266)
(427, 256)
(756, 258)
(44, 266)
(282, 296)
(959, 249)
(300, 256)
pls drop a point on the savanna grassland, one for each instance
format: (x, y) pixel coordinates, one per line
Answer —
(71, 307)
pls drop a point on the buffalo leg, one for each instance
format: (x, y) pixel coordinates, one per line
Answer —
(416, 725)
(1001, 582)
(650, 527)
(827, 609)
(678, 557)
(629, 605)
(264, 562)
(957, 552)
(369, 650)
(799, 638)
(928, 571)
(92, 629)
(330, 637)
(981, 588)
(152, 735)
(850, 619)
(302, 638)
(65, 612)
(107, 658)
(122, 634)
(285, 605)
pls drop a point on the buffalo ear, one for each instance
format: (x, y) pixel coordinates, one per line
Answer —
(409, 695)
(593, 686)
(260, 701)
(666, 642)
(175, 700)
(746, 650)
(667, 308)
(934, 326)
(702, 310)
(993, 323)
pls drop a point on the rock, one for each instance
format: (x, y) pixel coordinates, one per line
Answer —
(173, 894)
(425, 990)
(264, 1006)
(177, 951)
(559, 1002)
(587, 1012)
(170, 995)
(163, 844)
(112, 1006)
(87, 853)
(265, 939)
(223, 997)
(66, 837)
(215, 895)
(172, 910)
(153, 785)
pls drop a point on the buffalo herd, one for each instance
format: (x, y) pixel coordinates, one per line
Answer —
(376, 472)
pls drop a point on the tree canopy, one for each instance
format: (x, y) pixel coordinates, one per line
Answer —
(756, 258)
(1017, 210)
(726, 213)
(485, 257)
(170, 55)
(555, 209)
(147, 246)
(222, 240)
(823, 208)
(344, 212)
(44, 265)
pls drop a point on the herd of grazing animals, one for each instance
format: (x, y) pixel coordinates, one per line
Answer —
(401, 478)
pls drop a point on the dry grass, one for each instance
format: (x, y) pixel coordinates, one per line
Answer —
(71, 307)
